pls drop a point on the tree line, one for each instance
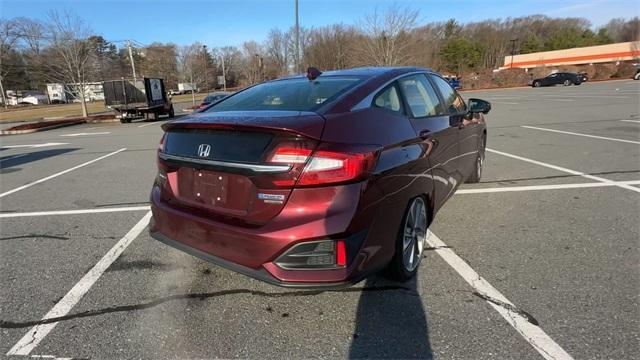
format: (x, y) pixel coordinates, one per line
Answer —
(65, 49)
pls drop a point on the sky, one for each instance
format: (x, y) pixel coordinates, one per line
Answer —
(223, 22)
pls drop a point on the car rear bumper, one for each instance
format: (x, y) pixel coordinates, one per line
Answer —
(253, 250)
(259, 274)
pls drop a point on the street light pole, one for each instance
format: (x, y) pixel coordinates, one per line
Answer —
(513, 50)
(206, 82)
(297, 56)
(224, 75)
(133, 65)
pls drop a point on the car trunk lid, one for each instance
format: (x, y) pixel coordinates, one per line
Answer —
(220, 163)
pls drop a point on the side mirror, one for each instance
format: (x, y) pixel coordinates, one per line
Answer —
(479, 106)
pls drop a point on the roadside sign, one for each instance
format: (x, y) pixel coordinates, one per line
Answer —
(220, 80)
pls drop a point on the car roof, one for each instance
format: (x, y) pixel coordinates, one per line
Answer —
(366, 72)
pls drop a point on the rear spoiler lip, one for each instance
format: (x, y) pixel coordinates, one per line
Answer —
(230, 126)
(202, 122)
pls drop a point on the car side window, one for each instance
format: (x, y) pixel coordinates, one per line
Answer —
(453, 101)
(421, 98)
(389, 99)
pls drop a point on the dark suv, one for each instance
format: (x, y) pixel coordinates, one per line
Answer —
(559, 78)
(318, 180)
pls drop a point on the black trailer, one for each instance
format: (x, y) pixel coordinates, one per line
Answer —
(133, 99)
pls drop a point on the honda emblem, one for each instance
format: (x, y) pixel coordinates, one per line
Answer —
(204, 150)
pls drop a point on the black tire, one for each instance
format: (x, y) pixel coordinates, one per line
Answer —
(536, 84)
(123, 121)
(476, 175)
(171, 112)
(567, 82)
(399, 268)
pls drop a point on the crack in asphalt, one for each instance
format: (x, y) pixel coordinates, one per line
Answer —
(55, 237)
(200, 296)
(437, 247)
(509, 307)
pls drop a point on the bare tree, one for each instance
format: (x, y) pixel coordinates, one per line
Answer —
(69, 34)
(388, 37)
(277, 51)
(232, 59)
(187, 63)
(8, 40)
(253, 62)
(328, 47)
(33, 40)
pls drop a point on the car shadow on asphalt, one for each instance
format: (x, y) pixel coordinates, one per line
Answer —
(7, 162)
(390, 324)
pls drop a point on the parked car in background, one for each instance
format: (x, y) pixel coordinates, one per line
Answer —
(583, 76)
(454, 81)
(559, 78)
(319, 180)
(212, 99)
(637, 75)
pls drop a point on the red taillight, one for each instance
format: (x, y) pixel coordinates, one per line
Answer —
(341, 253)
(316, 165)
(326, 167)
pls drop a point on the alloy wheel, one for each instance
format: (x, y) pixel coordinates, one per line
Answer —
(415, 234)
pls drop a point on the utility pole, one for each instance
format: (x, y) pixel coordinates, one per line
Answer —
(4, 98)
(224, 75)
(513, 50)
(206, 81)
(297, 57)
(133, 65)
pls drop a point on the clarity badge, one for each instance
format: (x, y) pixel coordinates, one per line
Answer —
(271, 198)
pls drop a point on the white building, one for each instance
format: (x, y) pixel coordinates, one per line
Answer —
(71, 92)
(19, 97)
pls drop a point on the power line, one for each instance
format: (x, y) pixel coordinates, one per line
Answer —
(44, 37)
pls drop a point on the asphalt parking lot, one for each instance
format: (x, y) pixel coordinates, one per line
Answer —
(541, 259)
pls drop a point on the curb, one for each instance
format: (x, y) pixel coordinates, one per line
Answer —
(102, 121)
(45, 128)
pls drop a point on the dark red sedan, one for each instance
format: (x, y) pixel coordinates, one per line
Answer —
(318, 180)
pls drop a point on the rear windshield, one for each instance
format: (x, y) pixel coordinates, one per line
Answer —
(298, 94)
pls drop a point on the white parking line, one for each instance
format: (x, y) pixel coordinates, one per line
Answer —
(504, 102)
(563, 100)
(532, 333)
(74, 212)
(143, 125)
(58, 174)
(632, 121)
(37, 333)
(87, 134)
(32, 145)
(580, 134)
(565, 170)
(589, 96)
(542, 187)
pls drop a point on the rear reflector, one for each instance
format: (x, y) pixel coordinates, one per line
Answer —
(326, 254)
(341, 253)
